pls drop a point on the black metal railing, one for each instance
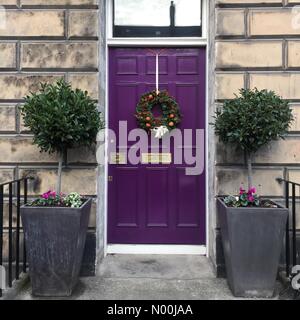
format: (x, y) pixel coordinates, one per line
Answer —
(11, 192)
(291, 251)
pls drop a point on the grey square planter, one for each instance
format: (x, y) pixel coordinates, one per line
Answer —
(252, 241)
(55, 239)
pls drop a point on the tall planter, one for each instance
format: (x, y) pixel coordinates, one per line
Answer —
(55, 240)
(252, 240)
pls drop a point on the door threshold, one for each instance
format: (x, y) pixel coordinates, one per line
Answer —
(156, 249)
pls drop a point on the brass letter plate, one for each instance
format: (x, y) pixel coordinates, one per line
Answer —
(157, 158)
(118, 158)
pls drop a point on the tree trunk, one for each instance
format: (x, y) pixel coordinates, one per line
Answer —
(249, 167)
(59, 173)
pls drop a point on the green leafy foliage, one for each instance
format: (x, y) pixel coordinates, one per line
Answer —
(253, 119)
(244, 199)
(49, 199)
(61, 118)
(52, 199)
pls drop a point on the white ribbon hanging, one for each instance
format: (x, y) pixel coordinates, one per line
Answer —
(157, 54)
(157, 73)
(162, 130)
(159, 132)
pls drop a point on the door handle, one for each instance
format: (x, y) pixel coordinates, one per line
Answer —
(110, 178)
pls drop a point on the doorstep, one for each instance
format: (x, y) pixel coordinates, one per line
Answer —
(150, 277)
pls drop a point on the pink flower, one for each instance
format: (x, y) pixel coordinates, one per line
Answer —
(252, 190)
(53, 194)
(49, 194)
(242, 191)
(250, 198)
(46, 195)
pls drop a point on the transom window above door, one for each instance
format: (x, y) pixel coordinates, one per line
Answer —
(157, 18)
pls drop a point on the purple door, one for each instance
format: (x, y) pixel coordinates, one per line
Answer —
(156, 203)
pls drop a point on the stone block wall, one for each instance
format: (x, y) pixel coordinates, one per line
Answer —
(43, 40)
(257, 45)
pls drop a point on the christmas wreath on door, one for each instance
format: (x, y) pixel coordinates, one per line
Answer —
(169, 118)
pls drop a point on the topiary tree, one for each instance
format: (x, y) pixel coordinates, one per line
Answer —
(252, 120)
(61, 118)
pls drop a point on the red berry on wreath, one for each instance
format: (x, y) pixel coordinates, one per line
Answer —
(148, 125)
(171, 124)
(148, 119)
(172, 115)
(150, 97)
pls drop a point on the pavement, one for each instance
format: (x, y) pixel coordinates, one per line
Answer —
(149, 277)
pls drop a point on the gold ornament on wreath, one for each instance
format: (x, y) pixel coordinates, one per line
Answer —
(170, 113)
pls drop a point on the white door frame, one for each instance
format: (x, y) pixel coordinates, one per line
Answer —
(165, 42)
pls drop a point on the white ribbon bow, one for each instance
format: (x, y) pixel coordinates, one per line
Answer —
(160, 131)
